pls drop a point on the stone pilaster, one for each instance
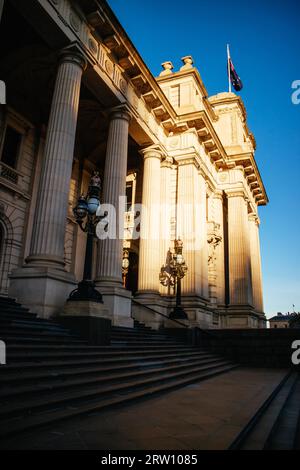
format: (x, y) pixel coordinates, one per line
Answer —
(149, 259)
(43, 283)
(256, 263)
(240, 282)
(201, 253)
(110, 254)
(220, 257)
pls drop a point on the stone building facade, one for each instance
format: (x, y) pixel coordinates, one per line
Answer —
(80, 99)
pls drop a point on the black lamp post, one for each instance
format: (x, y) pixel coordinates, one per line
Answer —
(171, 275)
(86, 216)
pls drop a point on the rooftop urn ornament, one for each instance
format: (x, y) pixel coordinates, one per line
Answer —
(171, 274)
(85, 213)
(187, 63)
(168, 67)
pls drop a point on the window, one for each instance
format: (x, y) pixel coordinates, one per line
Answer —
(11, 147)
(129, 194)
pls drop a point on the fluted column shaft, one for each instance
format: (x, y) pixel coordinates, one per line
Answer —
(192, 229)
(187, 179)
(109, 269)
(256, 263)
(149, 259)
(47, 245)
(166, 211)
(240, 282)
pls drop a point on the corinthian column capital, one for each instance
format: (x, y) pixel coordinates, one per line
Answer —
(254, 218)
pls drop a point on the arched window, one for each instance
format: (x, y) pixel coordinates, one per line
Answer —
(6, 237)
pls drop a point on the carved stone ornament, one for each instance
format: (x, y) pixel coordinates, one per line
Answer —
(75, 21)
(93, 46)
(123, 85)
(214, 239)
(109, 67)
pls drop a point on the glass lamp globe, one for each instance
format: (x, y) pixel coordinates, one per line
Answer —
(180, 259)
(93, 204)
(81, 209)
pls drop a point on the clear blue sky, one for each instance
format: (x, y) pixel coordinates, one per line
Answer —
(264, 39)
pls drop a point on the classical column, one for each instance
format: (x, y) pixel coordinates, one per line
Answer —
(110, 252)
(109, 269)
(166, 212)
(192, 227)
(186, 214)
(240, 282)
(220, 256)
(256, 263)
(43, 284)
(47, 245)
(149, 257)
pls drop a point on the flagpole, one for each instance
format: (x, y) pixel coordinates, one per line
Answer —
(228, 68)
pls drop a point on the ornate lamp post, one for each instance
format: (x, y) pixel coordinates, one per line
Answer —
(171, 275)
(85, 213)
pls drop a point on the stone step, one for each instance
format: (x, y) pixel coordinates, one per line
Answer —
(57, 383)
(84, 405)
(35, 324)
(16, 310)
(25, 333)
(283, 435)
(256, 432)
(44, 400)
(24, 373)
(117, 362)
(71, 352)
(42, 339)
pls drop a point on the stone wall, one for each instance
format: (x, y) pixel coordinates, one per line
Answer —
(255, 348)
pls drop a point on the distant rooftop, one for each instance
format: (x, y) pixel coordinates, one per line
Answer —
(284, 316)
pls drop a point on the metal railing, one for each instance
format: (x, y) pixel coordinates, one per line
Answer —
(159, 313)
(9, 174)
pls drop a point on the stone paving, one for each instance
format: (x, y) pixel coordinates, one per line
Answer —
(203, 416)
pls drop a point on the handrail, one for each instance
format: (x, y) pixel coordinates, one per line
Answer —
(159, 313)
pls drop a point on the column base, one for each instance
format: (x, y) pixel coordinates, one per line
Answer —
(86, 308)
(178, 314)
(118, 301)
(43, 290)
(142, 306)
(241, 317)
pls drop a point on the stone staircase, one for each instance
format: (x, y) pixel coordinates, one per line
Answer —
(276, 424)
(52, 374)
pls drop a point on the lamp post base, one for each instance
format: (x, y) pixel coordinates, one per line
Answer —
(178, 314)
(85, 292)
